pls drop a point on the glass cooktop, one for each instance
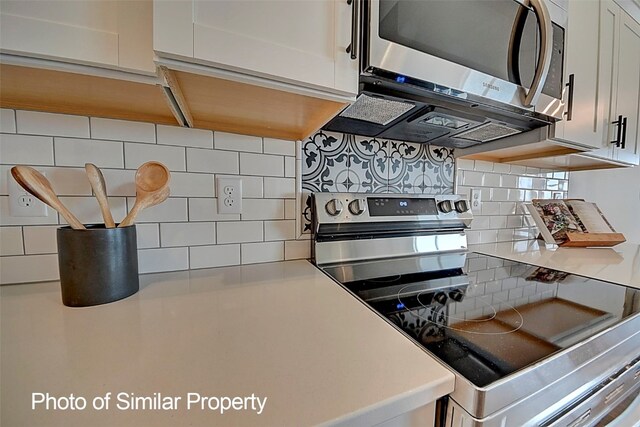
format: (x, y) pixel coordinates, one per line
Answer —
(493, 317)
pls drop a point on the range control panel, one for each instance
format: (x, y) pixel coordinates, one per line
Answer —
(335, 208)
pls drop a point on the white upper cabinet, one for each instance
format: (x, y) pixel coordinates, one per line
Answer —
(582, 125)
(296, 42)
(628, 90)
(105, 33)
(603, 60)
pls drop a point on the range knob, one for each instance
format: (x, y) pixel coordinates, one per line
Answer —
(357, 206)
(333, 207)
(445, 206)
(462, 206)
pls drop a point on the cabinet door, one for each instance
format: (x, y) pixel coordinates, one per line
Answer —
(583, 126)
(628, 87)
(113, 34)
(299, 42)
(608, 70)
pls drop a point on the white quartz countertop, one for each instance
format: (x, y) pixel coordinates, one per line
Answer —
(283, 331)
(619, 264)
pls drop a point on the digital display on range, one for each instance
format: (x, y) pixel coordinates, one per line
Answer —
(383, 206)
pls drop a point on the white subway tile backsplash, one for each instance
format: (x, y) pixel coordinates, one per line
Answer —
(502, 168)
(465, 164)
(490, 208)
(120, 182)
(290, 167)
(279, 146)
(7, 219)
(500, 194)
(40, 240)
(518, 170)
(26, 149)
(497, 221)
(28, 268)
(77, 152)
(262, 252)
(68, 181)
(123, 130)
(289, 209)
(148, 236)
(38, 123)
(174, 209)
(297, 249)
(279, 188)
(482, 166)
(187, 234)
(201, 209)
(261, 164)
(539, 183)
(187, 137)
(186, 230)
(87, 210)
(11, 241)
(516, 195)
(7, 121)
(212, 161)
(532, 171)
(279, 230)
(240, 232)
(192, 185)
(491, 180)
(234, 142)
(214, 256)
(262, 209)
(473, 179)
(507, 208)
(252, 187)
(165, 259)
(509, 181)
(137, 154)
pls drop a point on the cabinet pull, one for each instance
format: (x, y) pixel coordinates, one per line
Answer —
(624, 132)
(353, 46)
(618, 139)
(569, 112)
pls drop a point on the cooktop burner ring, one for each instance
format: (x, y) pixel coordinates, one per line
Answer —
(437, 312)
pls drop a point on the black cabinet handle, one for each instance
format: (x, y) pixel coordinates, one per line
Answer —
(618, 139)
(624, 133)
(353, 46)
(569, 111)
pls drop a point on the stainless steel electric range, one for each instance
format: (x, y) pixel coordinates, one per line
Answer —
(529, 346)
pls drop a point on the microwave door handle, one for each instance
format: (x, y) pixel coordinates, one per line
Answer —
(513, 64)
(544, 59)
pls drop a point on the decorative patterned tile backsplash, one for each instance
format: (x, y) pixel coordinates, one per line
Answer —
(349, 163)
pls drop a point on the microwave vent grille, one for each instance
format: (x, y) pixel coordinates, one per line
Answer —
(488, 132)
(376, 110)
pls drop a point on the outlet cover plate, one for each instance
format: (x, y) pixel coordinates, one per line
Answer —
(229, 194)
(22, 203)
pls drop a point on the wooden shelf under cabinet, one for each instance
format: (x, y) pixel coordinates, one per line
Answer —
(26, 88)
(236, 107)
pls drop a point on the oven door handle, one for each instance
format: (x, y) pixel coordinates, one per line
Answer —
(530, 97)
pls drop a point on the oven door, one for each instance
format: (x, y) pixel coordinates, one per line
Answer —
(495, 49)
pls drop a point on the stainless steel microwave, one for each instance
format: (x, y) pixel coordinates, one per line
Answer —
(507, 51)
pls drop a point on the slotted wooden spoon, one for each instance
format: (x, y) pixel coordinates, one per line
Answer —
(36, 184)
(152, 188)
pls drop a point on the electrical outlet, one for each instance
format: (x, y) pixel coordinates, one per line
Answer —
(229, 192)
(22, 203)
(476, 199)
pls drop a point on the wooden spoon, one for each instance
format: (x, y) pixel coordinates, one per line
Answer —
(152, 188)
(96, 179)
(36, 184)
